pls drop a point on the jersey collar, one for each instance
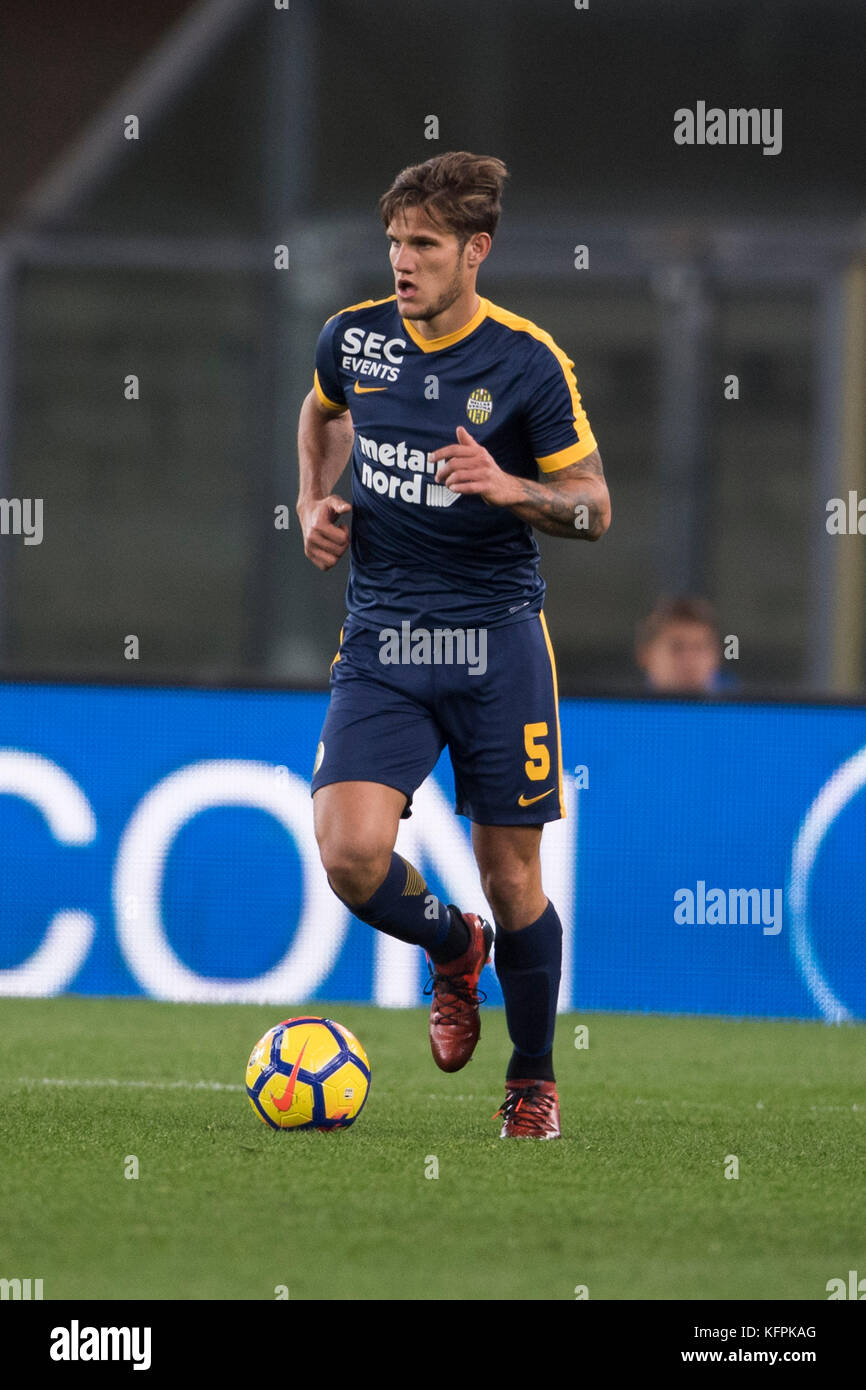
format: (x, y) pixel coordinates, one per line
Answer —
(436, 344)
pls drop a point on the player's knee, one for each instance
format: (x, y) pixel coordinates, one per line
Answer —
(507, 883)
(347, 854)
(355, 868)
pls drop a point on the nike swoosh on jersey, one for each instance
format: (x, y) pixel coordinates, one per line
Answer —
(284, 1101)
(365, 390)
(530, 800)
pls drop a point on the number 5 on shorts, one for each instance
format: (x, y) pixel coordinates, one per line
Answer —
(537, 763)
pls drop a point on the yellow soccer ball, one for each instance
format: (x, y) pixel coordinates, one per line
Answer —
(308, 1073)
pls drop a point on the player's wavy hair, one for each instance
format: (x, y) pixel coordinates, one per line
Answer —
(459, 191)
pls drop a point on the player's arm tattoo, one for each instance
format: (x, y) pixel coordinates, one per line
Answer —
(574, 502)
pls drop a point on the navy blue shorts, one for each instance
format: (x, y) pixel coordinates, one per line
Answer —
(488, 695)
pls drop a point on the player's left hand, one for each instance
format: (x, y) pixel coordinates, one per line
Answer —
(467, 467)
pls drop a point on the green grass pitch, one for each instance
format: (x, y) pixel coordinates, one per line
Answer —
(633, 1203)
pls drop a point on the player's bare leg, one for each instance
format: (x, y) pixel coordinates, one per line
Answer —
(509, 862)
(528, 963)
(356, 828)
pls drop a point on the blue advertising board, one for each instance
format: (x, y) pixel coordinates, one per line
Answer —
(160, 841)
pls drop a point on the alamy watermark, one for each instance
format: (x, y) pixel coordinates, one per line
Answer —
(710, 907)
(855, 1287)
(439, 646)
(77, 1343)
(737, 126)
(22, 516)
(846, 517)
(23, 1289)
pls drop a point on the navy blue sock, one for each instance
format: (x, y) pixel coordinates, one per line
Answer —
(402, 906)
(529, 964)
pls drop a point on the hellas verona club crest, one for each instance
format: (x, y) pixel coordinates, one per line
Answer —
(479, 406)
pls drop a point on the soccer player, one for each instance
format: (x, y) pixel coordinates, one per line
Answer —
(466, 431)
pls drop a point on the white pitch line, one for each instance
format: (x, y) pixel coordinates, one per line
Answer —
(141, 1085)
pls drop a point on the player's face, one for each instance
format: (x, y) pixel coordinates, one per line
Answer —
(684, 657)
(429, 268)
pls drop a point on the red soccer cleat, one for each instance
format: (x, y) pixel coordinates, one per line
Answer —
(455, 1020)
(530, 1111)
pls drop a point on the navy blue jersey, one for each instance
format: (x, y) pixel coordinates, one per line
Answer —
(419, 551)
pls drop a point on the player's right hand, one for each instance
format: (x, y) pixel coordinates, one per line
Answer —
(324, 540)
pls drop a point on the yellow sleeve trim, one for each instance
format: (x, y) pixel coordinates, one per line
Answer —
(326, 401)
(585, 441)
(551, 462)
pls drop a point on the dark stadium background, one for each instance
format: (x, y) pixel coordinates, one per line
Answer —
(262, 126)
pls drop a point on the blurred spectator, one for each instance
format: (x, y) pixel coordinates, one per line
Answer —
(678, 647)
